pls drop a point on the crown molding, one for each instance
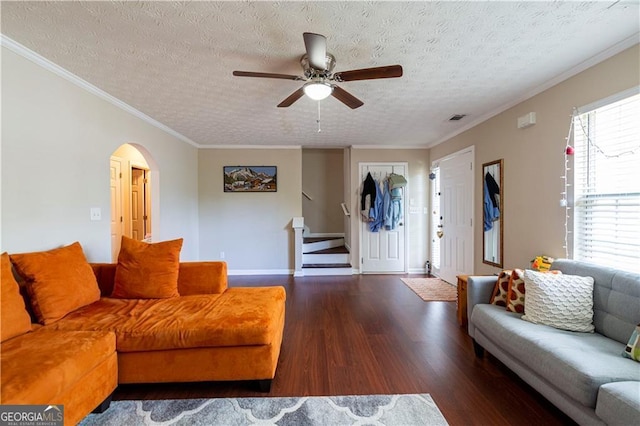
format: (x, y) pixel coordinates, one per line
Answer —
(34, 57)
(594, 60)
(250, 146)
(388, 147)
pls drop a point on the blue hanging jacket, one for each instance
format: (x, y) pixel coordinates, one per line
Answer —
(393, 212)
(491, 213)
(376, 212)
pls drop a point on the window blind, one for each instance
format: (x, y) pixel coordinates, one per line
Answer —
(606, 185)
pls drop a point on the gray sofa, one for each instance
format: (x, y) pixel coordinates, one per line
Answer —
(583, 374)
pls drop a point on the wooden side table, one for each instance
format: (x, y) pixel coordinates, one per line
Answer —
(462, 300)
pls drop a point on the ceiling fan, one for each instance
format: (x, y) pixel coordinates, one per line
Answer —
(319, 76)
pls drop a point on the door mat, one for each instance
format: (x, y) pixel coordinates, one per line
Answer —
(432, 289)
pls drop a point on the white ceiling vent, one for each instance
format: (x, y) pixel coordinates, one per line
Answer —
(457, 117)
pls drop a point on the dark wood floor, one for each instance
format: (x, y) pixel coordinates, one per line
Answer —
(370, 334)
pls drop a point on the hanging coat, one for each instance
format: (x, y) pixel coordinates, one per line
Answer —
(491, 213)
(386, 205)
(376, 213)
(368, 188)
(493, 188)
(394, 210)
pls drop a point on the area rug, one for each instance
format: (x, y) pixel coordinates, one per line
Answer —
(320, 410)
(432, 289)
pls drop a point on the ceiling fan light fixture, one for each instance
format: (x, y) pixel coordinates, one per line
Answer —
(317, 90)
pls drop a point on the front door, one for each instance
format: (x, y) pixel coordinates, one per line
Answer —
(456, 210)
(383, 251)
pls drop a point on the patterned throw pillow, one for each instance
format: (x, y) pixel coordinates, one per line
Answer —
(501, 289)
(561, 301)
(633, 347)
(517, 290)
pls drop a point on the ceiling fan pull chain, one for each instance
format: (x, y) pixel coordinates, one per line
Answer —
(318, 120)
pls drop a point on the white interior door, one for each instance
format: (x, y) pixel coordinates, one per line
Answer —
(456, 210)
(115, 174)
(383, 251)
(137, 204)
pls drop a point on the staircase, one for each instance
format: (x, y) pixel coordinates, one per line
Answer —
(325, 256)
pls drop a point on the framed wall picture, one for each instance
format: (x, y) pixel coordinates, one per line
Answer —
(250, 178)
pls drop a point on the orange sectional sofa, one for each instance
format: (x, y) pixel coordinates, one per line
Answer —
(77, 369)
(207, 332)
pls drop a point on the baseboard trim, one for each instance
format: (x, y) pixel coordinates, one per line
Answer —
(417, 271)
(260, 272)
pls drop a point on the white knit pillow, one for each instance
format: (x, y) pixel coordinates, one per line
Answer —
(560, 301)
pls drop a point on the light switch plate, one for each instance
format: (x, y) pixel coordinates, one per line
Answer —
(96, 213)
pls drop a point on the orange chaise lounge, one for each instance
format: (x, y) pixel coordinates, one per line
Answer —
(179, 324)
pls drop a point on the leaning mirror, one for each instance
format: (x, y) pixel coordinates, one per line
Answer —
(493, 212)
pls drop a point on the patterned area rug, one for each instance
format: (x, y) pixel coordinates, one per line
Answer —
(320, 410)
(432, 289)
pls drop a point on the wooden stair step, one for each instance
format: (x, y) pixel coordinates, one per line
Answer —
(326, 265)
(318, 239)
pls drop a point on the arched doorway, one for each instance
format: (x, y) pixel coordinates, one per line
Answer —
(131, 172)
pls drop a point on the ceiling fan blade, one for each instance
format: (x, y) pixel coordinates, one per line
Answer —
(346, 98)
(390, 71)
(266, 75)
(292, 98)
(316, 45)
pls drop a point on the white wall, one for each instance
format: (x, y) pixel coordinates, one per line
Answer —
(56, 142)
(252, 229)
(534, 159)
(418, 190)
(346, 195)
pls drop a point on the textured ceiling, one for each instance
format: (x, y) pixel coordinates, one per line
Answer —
(173, 61)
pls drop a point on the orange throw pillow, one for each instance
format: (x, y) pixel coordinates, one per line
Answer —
(147, 271)
(58, 281)
(14, 317)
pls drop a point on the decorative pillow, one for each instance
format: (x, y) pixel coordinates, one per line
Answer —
(58, 281)
(13, 314)
(542, 263)
(560, 301)
(147, 271)
(517, 290)
(633, 347)
(501, 289)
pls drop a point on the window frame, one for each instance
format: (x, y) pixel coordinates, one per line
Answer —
(572, 214)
